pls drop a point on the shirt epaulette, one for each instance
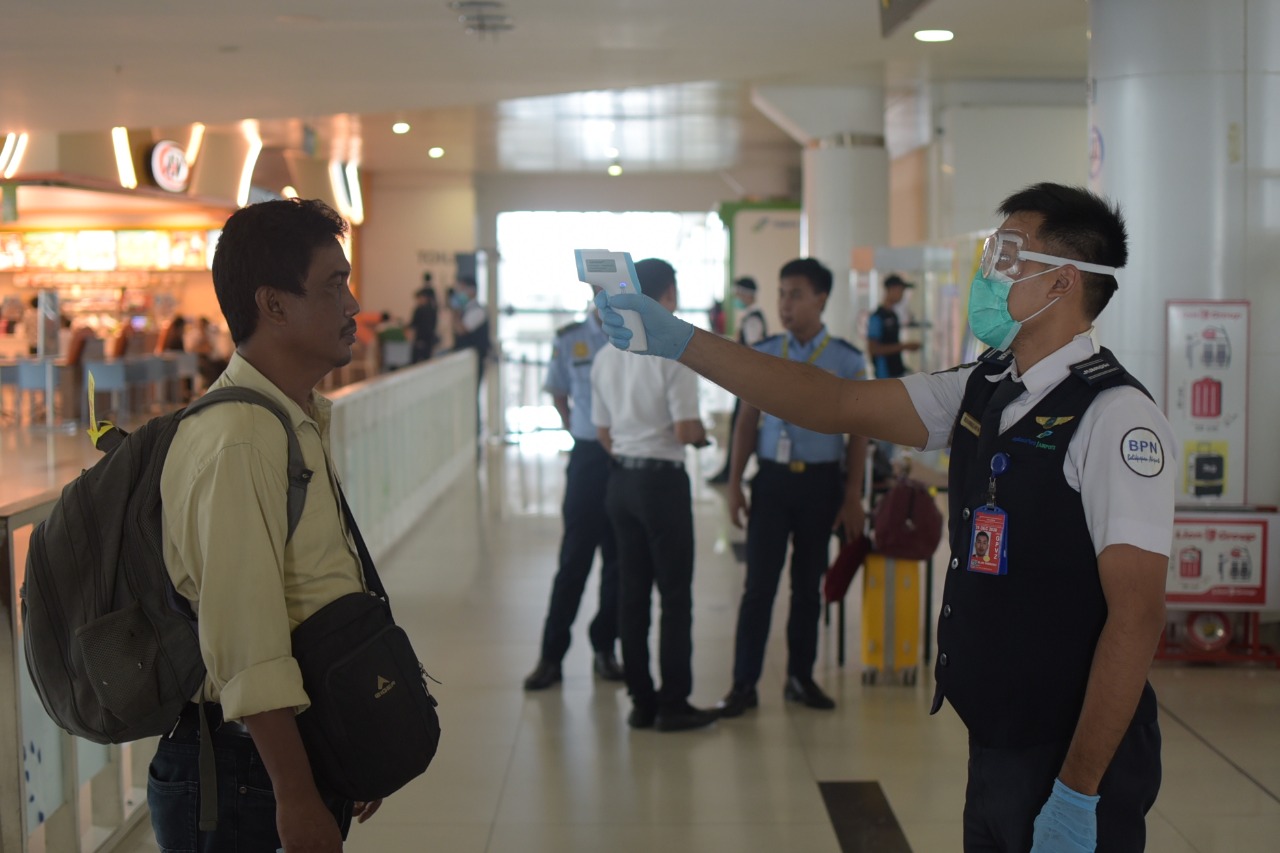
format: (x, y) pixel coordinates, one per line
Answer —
(1093, 370)
(564, 330)
(996, 356)
(843, 343)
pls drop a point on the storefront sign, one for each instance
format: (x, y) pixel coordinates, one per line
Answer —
(1206, 398)
(1223, 561)
(169, 166)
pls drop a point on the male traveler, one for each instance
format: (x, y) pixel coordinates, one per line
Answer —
(645, 411)
(1044, 646)
(752, 329)
(281, 279)
(801, 493)
(586, 524)
(884, 343)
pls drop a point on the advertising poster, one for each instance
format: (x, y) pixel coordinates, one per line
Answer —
(1206, 398)
(1221, 561)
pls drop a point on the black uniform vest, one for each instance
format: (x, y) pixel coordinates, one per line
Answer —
(1015, 650)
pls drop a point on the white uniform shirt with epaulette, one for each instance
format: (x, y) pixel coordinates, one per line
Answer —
(1121, 505)
(575, 349)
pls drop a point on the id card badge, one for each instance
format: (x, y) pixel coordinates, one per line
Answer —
(988, 546)
(783, 454)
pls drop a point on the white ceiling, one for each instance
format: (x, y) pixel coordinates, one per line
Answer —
(350, 69)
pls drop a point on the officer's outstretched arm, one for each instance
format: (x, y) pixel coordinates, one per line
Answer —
(805, 395)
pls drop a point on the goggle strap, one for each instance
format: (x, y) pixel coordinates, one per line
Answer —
(1081, 265)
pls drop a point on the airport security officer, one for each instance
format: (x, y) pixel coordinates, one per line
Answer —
(586, 525)
(1061, 458)
(808, 484)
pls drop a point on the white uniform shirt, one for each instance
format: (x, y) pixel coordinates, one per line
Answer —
(640, 398)
(1121, 505)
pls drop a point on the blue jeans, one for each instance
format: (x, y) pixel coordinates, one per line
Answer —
(246, 801)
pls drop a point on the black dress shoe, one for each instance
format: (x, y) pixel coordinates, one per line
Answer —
(606, 666)
(543, 676)
(642, 717)
(683, 717)
(806, 692)
(738, 701)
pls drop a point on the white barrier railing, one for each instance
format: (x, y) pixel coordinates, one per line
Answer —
(399, 442)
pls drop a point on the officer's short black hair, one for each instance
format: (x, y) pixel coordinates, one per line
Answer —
(1081, 225)
(746, 283)
(810, 269)
(985, 535)
(657, 277)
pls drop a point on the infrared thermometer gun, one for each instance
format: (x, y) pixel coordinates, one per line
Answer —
(614, 273)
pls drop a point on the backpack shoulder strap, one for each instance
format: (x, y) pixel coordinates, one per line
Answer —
(299, 473)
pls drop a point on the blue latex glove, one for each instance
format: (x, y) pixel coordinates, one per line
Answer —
(668, 335)
(1068, 823)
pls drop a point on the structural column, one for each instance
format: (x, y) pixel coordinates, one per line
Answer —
(1185, 135)
(846, 178)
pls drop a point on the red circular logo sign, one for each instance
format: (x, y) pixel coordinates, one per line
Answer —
(169, 166)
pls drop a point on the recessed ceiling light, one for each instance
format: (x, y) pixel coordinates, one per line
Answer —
(435, 153)
(934, 35)
(288, 191)
(400, 127)
(615, 170)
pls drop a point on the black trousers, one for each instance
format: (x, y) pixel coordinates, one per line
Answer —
(1008, 787)
(652, 516)
(586, 529)
(795, 508)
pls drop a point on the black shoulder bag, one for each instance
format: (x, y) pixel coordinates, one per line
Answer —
(372, 725)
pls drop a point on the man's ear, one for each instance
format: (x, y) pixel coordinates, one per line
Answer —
(271, 308)
(1066, 280)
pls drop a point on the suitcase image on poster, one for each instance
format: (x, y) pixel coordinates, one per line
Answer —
(1206, 398)
(890, 620)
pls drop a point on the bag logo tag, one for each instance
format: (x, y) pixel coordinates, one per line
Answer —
(384, 687)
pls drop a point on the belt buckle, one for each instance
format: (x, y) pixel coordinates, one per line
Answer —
(796, 467)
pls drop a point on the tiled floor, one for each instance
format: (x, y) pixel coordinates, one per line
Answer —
(560, 770)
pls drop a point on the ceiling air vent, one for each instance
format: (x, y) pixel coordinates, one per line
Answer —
(483, 17)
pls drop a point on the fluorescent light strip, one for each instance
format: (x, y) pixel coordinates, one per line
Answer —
(354, 194)
(250, 161)
(10, 141)
(124, 158)
(16, 160)
(194, 143)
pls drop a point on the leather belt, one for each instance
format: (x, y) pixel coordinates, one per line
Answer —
(642, 463)
(796, 466)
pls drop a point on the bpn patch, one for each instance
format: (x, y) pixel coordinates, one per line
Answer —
(1142, 452)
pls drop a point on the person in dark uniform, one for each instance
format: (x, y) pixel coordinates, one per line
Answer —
(884, 338)
(586, 524)
(1063, 459)
(800, 494)
(426, 315)
(752, 329)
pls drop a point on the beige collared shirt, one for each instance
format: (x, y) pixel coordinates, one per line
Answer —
(225, 522)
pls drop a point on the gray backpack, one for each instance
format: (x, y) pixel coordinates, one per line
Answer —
(111, 646)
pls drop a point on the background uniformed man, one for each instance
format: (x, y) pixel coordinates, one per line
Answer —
(800, 494)
(586, 525)
(1044, 655)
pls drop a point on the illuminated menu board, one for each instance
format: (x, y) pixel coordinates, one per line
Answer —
(187, 250)
(11, 255)
(50, 250)
(142, 250)
(96, 250)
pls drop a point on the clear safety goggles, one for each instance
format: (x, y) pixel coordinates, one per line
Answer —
(1003, 252)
